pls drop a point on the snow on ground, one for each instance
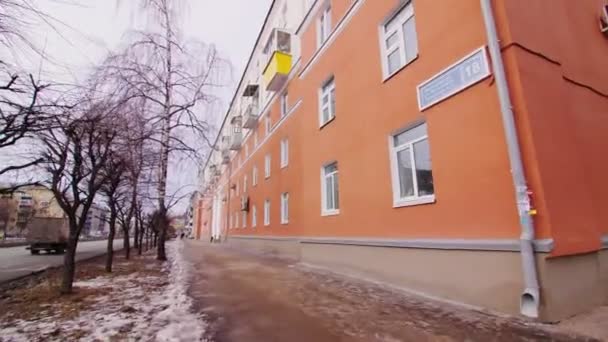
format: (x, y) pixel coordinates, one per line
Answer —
(133, 307)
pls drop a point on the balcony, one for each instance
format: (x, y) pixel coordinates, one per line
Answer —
(278, 66)
(225, 156)
(250, 117)
(235, 141)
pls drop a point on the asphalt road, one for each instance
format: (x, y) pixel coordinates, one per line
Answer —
(16, 262)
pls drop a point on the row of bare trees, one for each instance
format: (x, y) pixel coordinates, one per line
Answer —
(114, 138)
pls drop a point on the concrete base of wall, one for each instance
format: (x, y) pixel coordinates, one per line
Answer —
(488, 279)
(288, 248)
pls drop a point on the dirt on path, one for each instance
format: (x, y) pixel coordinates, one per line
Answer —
(246, 297)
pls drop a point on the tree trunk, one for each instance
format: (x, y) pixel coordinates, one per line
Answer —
(136, 234)
(165, 139)
(141, 238)
(126, 243)
(69, 263)
(111, 234)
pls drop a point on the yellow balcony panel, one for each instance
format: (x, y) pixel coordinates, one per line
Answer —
(277, 70)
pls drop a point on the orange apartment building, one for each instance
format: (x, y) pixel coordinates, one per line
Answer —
(453, 148)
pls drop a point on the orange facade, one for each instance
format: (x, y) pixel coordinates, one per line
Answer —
(557, 65)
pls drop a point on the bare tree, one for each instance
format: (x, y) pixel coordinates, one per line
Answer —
(75, 153)
(21, 115)
(178, 80)
(114, 171)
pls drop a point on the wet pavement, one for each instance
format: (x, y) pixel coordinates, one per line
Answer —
(247, 297)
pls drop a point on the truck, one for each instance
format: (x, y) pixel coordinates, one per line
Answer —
(47, 234)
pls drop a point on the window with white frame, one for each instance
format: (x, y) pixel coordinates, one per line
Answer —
(284, 153)
(398, 40)
(255, 139)
(267, 166)
(254, 216)
(267, 212)
(327, 102)
(284, 104)
(329, 189)
(254, 176)
(267, 124)
(324, 25)
(244, 184)
(411, 167)
(284, 208)
(236, 220)
(244, 219)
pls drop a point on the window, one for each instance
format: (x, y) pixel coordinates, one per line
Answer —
(267, 166)
(398, 41)
(411, 167)
(284, 153)
(254, 176)
(267, 212)
(236, 220)
(237, 187)
(244, 184)
(284, 208)
(244, 220)
(246, 150)
(284, 104)
(267, 124)
(324, 25)
(329, 189)
(254, 216)
(327, 102)
(255, 139)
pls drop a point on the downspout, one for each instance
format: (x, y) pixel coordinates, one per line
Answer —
(530, 298)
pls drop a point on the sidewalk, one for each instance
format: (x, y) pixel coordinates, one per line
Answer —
(251, 298)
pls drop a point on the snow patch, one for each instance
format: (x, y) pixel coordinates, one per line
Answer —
(137, 307)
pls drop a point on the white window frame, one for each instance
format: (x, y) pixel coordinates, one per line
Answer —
(244, 184)
(407, 12)
(244, 219)
(255, 139)
(285, 208)
(284, 104)
(324, 25)
(399, 201)
(267, 124)
(267, 165)
(284, 153)
(267, 212)
(325, 211)
(327, 89)
(254, 216)
(254, 176)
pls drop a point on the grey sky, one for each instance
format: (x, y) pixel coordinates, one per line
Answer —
(89, 29)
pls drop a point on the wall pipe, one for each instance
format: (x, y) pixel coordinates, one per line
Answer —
(530, 298)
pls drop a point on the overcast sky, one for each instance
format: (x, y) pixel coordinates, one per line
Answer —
(88, 29)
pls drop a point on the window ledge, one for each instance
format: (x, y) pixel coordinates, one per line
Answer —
(285, 223)
(284, 166)
(413, 202)
(385, 78)
(327, 122)
(330, 212)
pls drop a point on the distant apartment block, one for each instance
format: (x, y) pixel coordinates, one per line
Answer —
(457, 150)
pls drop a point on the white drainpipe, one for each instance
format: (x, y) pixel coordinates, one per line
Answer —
(530, 298)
